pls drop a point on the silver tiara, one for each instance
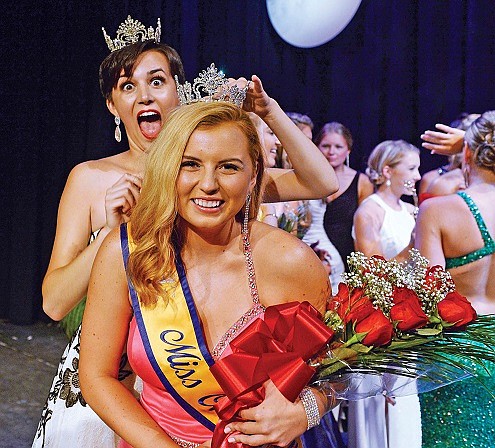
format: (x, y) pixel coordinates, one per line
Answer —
(210, 85)
(131, 31)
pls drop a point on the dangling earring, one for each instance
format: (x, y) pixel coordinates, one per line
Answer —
(347, 160)
(388, 183)
(466, 175)
(118, 135)
(246, 214)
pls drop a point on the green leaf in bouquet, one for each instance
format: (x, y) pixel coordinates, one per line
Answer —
(361, 348)
(343, 353)
(429, 331)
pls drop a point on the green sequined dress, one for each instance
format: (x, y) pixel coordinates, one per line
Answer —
(461, 415)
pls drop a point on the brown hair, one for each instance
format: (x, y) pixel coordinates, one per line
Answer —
(125, 59)
(335, 128)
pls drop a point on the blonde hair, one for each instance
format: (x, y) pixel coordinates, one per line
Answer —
(388, 153)
(154, 227)
(480, 139)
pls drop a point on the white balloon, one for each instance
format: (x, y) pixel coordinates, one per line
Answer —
(309, 23)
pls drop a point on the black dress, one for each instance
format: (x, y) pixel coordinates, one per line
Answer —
(339, 217)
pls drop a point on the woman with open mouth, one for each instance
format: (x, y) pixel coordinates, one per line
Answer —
(137, 81)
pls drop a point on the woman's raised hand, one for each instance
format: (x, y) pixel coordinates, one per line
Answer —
(446, 141)
(120, 199)
(257, 100)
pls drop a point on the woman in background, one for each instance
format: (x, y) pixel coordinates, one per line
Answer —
(448, 178)
(335, 142)
(457, 232)
(315, 234)
(384, 225)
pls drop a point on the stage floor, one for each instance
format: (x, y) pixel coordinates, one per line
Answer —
(29, 356)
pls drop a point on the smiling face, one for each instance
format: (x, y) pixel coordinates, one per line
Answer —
(334, 147)
(404, 173)
(143, 100)
(216, 174)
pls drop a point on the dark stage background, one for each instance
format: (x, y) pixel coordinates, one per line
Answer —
(399, 67)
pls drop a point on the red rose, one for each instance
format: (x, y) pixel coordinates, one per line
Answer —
(351, 307)
(407, 310)
(456, 309)
(378, 328)
(337, 303)
(360, 308)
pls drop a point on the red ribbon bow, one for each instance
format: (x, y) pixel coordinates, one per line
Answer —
(276, 348)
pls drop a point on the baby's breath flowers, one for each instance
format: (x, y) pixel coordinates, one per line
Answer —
(404, 318)
(378, 278)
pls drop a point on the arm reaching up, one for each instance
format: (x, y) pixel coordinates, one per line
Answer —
(312, 177)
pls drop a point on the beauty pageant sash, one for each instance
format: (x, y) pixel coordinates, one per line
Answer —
(175, 345)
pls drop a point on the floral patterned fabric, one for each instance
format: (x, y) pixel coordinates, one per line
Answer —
(66, 419)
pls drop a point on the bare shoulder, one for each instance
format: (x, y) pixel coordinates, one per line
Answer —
(83, 171)
(110, 251)
(364, 181)
(430, 176)
(369, 209)
(100, 174)
(287, 268)
(447, 184)
(86, 173)
(365, 187)
(439, 205)
(439, 211)
(276, 245)
(82, 186)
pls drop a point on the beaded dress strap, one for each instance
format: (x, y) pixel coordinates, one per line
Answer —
(489, 243)
(250, 267)
(257, 307)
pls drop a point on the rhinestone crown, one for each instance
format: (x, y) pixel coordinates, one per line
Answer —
(212, 83)
(131, 31)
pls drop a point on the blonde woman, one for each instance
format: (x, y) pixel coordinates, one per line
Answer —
(457, 232)
(384, 225)
(137, 83)
(197, 269)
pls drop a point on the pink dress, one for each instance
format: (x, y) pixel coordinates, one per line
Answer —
(168, 373)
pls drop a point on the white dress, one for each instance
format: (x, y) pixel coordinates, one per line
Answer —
(316, 234)
(373, 422)
(67, 421)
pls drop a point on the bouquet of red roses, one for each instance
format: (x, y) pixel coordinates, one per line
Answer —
(402, 319)
(401, 324)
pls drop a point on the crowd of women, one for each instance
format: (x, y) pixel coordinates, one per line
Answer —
(175, 243)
